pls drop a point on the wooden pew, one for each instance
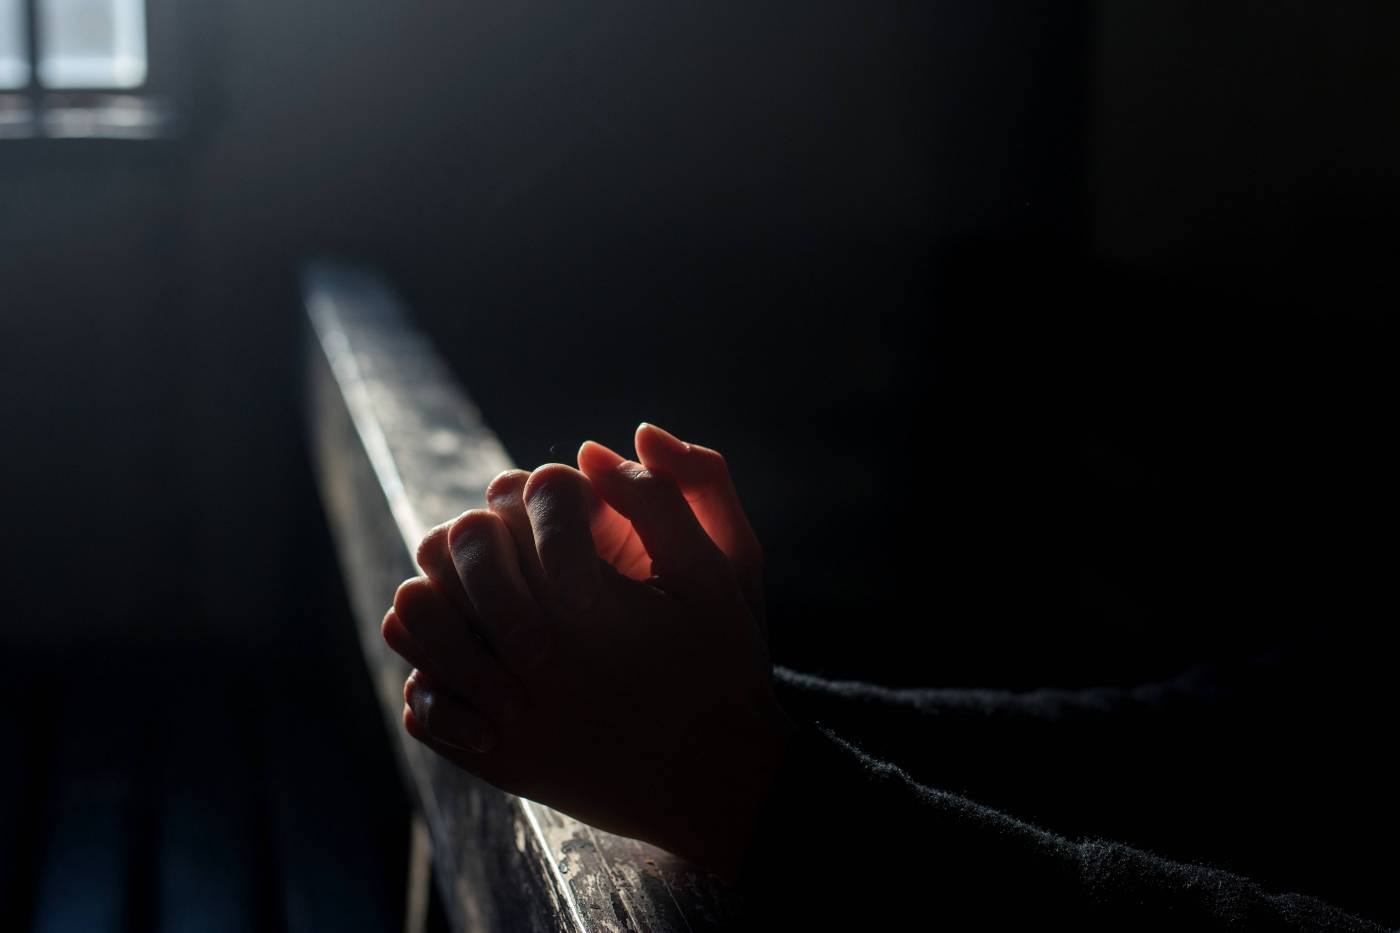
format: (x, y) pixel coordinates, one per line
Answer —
(398, 447)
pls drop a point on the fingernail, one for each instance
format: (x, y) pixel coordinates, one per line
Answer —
(508, 480)
(666, 436)
(462, 531)
(420, 700)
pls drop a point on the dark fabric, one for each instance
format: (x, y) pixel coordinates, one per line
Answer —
(1246, 795)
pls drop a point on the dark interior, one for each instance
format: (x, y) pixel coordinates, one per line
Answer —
(1067, 318)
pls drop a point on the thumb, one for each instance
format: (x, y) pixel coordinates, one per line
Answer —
(679, 548)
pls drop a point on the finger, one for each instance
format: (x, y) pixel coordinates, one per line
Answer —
(396, 636)
(506, 497)
(435, 714)
(435, 558)
(507, 616)
(703, 477)
(680, 549)
(617, 542)
(440, 642)
(559, 500)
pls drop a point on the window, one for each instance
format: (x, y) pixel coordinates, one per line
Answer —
(82, 44)
(77, 69)
(92, 44)
(14, 41)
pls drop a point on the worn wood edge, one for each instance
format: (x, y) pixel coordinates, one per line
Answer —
(395, 440)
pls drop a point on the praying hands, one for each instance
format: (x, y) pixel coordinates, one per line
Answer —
(593, 639)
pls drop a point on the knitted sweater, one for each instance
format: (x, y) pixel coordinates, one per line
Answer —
(1123, 809)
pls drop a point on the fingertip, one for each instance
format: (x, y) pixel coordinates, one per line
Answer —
(414, 597)
(562, 502)
(593, 457)
(413, 724)
(661, 451)
(650, 435)
(471, 523)
(432, 548)
(506, 485)
(552, 475)
(455, 725)
(419, 700)
(391, 629)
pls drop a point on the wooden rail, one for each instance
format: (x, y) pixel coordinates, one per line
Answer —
(398, 447)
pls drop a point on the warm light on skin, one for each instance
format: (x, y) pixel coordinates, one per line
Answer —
(609, 575)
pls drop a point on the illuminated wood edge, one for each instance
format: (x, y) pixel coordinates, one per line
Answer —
(398, 447)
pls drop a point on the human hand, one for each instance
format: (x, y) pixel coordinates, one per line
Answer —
(703, 478)
(641, 706)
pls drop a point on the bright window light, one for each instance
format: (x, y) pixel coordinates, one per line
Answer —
(14, 57)
(91, 44)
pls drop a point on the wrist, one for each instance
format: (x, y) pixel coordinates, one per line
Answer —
(719, 829)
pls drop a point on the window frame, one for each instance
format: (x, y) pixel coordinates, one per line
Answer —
(34, 7)
(141, 112)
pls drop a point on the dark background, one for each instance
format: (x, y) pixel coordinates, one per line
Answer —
(1047, 340)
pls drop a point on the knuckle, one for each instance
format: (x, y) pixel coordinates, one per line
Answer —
(411, 724)
(433, 547)
(413, 597)
(507, 484)
(553, 479)
(712, 462)
(471, 525)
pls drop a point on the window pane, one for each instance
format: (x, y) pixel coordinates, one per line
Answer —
(14, 62)
(92, 43)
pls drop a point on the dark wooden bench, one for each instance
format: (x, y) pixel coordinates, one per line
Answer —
(398, 447)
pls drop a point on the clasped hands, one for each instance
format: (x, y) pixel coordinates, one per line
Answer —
(593, 639)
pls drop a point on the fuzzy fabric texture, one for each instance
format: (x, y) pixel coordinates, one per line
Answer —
(1100, 809)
